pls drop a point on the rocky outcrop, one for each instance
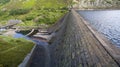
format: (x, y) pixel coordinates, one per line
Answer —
(96, 4)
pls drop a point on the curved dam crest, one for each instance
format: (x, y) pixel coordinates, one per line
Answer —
(81, 46)
(75, 44)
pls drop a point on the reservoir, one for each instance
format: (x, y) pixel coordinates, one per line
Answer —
(106, 22)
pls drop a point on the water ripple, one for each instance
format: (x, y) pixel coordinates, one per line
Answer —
(106, 22)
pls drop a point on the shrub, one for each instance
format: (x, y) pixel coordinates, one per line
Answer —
(28, 18)
(4, 1)
(2, 13)
(109, 1)
(27, 23)
(18, 11)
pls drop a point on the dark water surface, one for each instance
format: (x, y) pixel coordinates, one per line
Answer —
(106, 22)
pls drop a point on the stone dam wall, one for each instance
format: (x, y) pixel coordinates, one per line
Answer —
(76, 46)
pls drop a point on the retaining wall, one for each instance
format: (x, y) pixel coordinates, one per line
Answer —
(78, 46)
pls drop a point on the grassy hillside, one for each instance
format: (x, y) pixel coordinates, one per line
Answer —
(35, 12)
(31, 13)
(13, 51)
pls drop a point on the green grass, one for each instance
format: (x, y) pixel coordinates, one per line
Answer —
(13, 51)
(4, 2)
(28, 4)
(27, 23)
(33, 12)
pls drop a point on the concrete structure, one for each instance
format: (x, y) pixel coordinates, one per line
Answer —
(75, 44)
(79, 45)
